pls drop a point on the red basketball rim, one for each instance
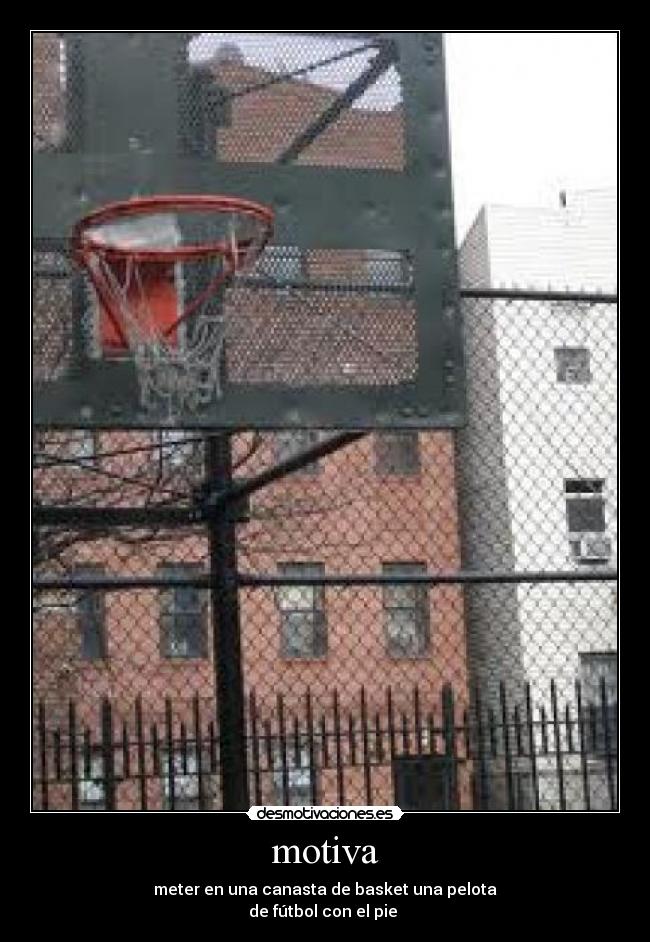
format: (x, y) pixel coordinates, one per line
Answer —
(85, 244)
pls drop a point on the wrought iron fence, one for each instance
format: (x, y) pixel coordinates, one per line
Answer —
(336, 750)
(425, 617)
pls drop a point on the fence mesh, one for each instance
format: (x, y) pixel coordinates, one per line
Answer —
(426, 618)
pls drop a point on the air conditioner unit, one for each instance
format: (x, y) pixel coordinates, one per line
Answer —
(593, 547)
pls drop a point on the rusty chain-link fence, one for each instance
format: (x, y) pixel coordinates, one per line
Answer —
(427, 619)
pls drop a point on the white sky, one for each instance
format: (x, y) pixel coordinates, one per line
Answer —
(530, 113)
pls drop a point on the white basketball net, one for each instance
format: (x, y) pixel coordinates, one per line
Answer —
(178, 373)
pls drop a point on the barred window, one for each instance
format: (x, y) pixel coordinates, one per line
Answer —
(91, 617)
(585, 506)
(302, 612)
(406, 612)
(572, 365)
(397, 453)
(91, 784)
(183, 615)
(292, 775)
(180, 779)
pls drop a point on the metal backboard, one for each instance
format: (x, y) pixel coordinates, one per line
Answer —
(350, 319)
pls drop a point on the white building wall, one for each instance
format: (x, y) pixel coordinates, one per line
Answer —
(572, 247)
(527, 433)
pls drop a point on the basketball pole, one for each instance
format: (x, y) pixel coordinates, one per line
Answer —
(226, 627)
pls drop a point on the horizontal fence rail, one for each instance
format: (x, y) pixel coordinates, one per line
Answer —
(248, 579)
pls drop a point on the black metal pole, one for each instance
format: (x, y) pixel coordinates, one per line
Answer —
(226, 630)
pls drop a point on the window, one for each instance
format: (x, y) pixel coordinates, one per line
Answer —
(386, 269)
(397, 453)
(599, 676)
(284, 264)
(183, 621)
(406, 612)
(572, 365)
(81, 444)
(91, 788)
(585, 512)
(91, 617)
(174, 448)
(292, 775)
(302, 612)
(294, 441)
(180, 780)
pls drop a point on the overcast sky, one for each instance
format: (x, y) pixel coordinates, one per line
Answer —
(530, 113)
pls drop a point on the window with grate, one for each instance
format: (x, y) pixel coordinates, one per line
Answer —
(292, 775)
(91, 786)
(303, 624)
(572, 365)
(406, 612)
(183, 615)
(91, 617)
(182, 785)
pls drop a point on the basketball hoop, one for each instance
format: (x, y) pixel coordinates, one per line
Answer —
(157, 265)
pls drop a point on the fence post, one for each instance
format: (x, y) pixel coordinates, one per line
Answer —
(449, 734)
(482, 786)
(108, 756)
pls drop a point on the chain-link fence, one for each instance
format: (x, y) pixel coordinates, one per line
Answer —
(424, 618)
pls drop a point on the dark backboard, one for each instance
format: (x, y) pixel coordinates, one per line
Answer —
(351, 317)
